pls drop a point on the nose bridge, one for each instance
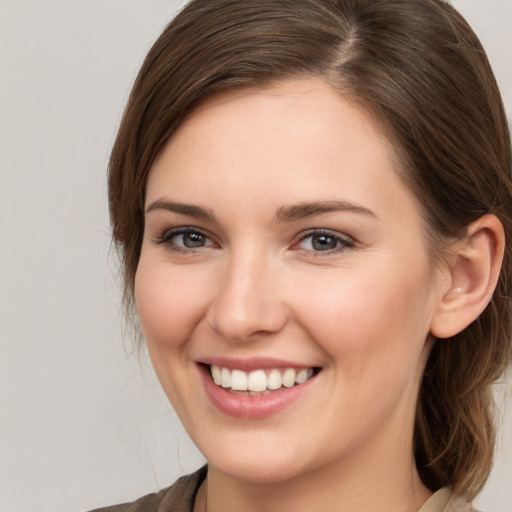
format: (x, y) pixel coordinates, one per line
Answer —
(248, 301)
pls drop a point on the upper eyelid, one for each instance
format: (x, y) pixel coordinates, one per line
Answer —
(167, 234)
(346, 242)
(324, 231)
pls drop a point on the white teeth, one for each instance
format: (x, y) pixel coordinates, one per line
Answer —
(303, 376)
(274, 380)
(289, 377)
(238, 380)
(216, 375)
(259, 381)
(225, 378)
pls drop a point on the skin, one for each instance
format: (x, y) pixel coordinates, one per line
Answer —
(361, 311)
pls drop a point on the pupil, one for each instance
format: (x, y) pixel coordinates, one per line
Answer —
(192, 240)
(324, 242)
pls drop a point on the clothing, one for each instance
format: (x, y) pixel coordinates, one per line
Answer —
(444, 501)
(180, 497)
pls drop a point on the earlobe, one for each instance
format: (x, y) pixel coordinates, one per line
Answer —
(475, 265)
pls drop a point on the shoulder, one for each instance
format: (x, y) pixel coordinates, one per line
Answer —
(179, 497)
(445, 501)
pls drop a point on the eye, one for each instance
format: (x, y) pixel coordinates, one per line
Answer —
(185, 239)
(323, 241)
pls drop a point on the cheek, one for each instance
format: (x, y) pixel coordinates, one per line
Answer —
(374, 331)
(169, 304)
(369, 319)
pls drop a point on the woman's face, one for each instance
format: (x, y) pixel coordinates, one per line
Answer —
(282, 250)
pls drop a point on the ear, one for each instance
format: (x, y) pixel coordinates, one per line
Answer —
(474, 267)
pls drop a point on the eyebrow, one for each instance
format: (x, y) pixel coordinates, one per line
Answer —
(287, 213)
(303, 210)
(185, 209)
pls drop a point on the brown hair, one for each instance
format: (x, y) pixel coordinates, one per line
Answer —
(417, 66)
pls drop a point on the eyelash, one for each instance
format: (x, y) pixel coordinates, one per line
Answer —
(342, 243)
(167, 236)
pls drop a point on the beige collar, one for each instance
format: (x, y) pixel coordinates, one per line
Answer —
(444, 501)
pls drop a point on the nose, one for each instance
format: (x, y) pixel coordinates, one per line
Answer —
(249, 302)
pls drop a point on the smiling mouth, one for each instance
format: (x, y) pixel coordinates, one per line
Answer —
(259, 382)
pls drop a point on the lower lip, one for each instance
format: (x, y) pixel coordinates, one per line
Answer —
(251, 407)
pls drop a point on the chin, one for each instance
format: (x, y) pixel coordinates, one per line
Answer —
(257, 462)
(257, 471)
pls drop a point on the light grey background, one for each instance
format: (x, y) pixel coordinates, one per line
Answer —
(82, 423)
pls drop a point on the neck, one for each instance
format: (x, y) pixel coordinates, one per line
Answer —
(330, 488)
(380, 476)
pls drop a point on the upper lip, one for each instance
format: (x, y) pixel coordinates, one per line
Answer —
(254, 363)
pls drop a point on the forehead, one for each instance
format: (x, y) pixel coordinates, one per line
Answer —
(309, 97)
(296, 141)
(288, 118)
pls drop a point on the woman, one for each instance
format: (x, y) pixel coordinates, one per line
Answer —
(312, 200)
